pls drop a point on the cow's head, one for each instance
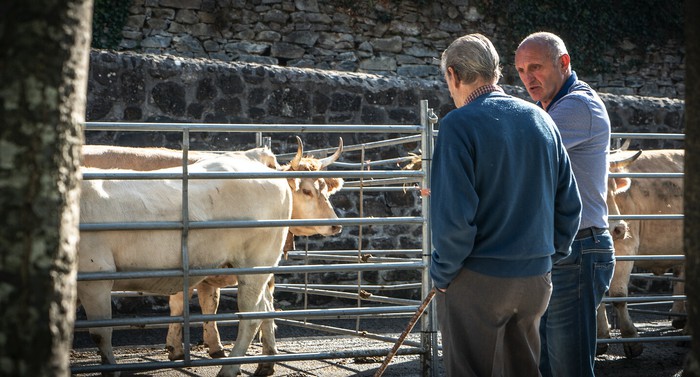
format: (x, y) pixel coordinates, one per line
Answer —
(310, 195)
(618, 163)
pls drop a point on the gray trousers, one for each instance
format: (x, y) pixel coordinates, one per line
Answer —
(490, 325)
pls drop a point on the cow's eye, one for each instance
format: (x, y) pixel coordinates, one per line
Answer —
(307, 192)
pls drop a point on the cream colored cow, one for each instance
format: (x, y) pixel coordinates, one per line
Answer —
(644, 196)
(250, 199)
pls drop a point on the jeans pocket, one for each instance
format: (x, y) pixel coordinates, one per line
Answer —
(602, 276)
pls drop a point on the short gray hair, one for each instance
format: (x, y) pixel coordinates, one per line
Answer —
(472, 56)
(552, 43)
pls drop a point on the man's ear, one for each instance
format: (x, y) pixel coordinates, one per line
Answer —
(452, 77)
(565, 60)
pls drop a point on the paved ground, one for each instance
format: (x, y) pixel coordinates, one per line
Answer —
(660, 359)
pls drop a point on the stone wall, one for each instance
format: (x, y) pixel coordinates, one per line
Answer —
(153, 88)
(399, 38)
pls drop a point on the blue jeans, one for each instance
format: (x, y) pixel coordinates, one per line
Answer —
(568, 327)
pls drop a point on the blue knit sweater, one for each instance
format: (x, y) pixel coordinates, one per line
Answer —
(503, 197)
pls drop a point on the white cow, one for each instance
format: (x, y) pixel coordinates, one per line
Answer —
(142, 200)
(208, 291)
(638, 196)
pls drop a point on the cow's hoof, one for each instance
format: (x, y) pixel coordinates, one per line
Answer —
(174, 355)
(265, 369)
(678, 323)
(218, 354)
(601, 349)
(633, 350)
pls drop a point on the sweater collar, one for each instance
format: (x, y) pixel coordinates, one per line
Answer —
(480, 91)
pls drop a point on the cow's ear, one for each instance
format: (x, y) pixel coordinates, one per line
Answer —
(334, 184)
(294, 183)
(622, 185)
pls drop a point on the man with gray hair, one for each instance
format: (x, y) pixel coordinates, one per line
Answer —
(504, 201)
(568, 327)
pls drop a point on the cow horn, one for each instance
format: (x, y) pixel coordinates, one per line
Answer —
(624, 147)
(619, 164)
(294, 164)
(331, 159)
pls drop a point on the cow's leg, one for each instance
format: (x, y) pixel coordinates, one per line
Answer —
(173, 341)
(96, 298)
(679, 306)
(251, 297)
(267, 334)
(618, 288)
(209, 302)
(603, 329)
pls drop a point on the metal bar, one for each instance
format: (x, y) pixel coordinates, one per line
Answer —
(226, 127)
(102, 275)
(357, 147)
(645, 175)
(357, 165)
(381, 189)
(649, 257)
(354, 296)
(633, 135)
(381, 182)
(383, 287)
(354, 252)
(184, 243)
(351, 258)
(645, 298)
(239, 360)
(645, 217)
(331, 313)
(428, 326)
(148, 175)
(175, 225)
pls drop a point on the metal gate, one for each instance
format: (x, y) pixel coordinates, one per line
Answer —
(359, 178)
(636, 303)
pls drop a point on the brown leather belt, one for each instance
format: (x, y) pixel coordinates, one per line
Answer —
(589, 232)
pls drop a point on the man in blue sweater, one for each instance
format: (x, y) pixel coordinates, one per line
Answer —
(568, 327)
(504, 205)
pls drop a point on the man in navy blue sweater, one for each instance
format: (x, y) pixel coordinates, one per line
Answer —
(568, 327)
(504, 205)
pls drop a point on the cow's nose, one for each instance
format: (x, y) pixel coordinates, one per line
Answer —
(619, 231)
(336, 229)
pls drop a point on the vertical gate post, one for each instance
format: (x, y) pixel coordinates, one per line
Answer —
(429, 358)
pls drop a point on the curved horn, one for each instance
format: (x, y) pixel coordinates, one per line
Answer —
(619, 164)
(624, 146)
(294, 164)
(331, 159)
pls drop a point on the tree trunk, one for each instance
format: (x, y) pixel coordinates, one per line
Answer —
(44, 47)
(692, 182)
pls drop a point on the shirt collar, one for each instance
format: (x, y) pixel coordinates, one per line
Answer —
(480, 91)
(563, 91)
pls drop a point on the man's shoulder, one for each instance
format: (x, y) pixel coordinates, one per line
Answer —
(580, 96)
(581, 90)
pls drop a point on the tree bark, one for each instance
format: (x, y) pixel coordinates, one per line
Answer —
(44, 47)
(692, 183)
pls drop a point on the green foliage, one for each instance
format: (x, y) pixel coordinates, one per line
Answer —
(588, 27)
(108, 20)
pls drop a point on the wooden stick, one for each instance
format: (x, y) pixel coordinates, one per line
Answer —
(405, 333)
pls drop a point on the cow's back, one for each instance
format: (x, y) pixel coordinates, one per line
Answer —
(133, 158)
(655, 196)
